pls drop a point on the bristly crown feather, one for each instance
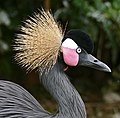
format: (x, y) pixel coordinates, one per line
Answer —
(38, 44)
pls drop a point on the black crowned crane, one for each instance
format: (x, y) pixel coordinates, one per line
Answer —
(42, 45)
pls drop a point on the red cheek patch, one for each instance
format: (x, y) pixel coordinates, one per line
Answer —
(70, 56)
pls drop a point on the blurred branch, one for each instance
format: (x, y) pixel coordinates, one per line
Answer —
(47, 5)
(100, 43)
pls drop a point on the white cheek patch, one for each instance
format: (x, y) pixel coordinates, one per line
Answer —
(69, 43)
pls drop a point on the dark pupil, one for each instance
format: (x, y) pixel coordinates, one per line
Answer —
(78, 50)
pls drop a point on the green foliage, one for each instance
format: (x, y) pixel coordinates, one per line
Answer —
(107, 14)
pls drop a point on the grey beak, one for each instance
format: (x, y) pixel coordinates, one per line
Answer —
(90, 61)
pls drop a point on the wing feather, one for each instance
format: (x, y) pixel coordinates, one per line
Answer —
(16, 102)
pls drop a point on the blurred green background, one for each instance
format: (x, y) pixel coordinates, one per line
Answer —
(100, 19)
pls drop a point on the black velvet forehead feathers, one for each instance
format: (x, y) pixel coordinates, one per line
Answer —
(81, 38)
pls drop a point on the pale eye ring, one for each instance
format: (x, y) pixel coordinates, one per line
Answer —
(78, 50)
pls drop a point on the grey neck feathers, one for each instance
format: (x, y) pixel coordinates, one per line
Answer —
(70, 104)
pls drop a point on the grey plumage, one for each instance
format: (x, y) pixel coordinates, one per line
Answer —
(16, 102)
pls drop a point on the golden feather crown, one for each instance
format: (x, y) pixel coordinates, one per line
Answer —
(39, 43)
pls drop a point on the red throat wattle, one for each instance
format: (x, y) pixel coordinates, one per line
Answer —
(70, 56)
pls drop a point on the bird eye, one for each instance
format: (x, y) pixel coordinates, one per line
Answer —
(78, 50)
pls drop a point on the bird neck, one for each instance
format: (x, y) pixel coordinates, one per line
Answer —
(69, 101)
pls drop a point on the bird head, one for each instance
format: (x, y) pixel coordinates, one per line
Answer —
(77, 48)
(41, 41)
